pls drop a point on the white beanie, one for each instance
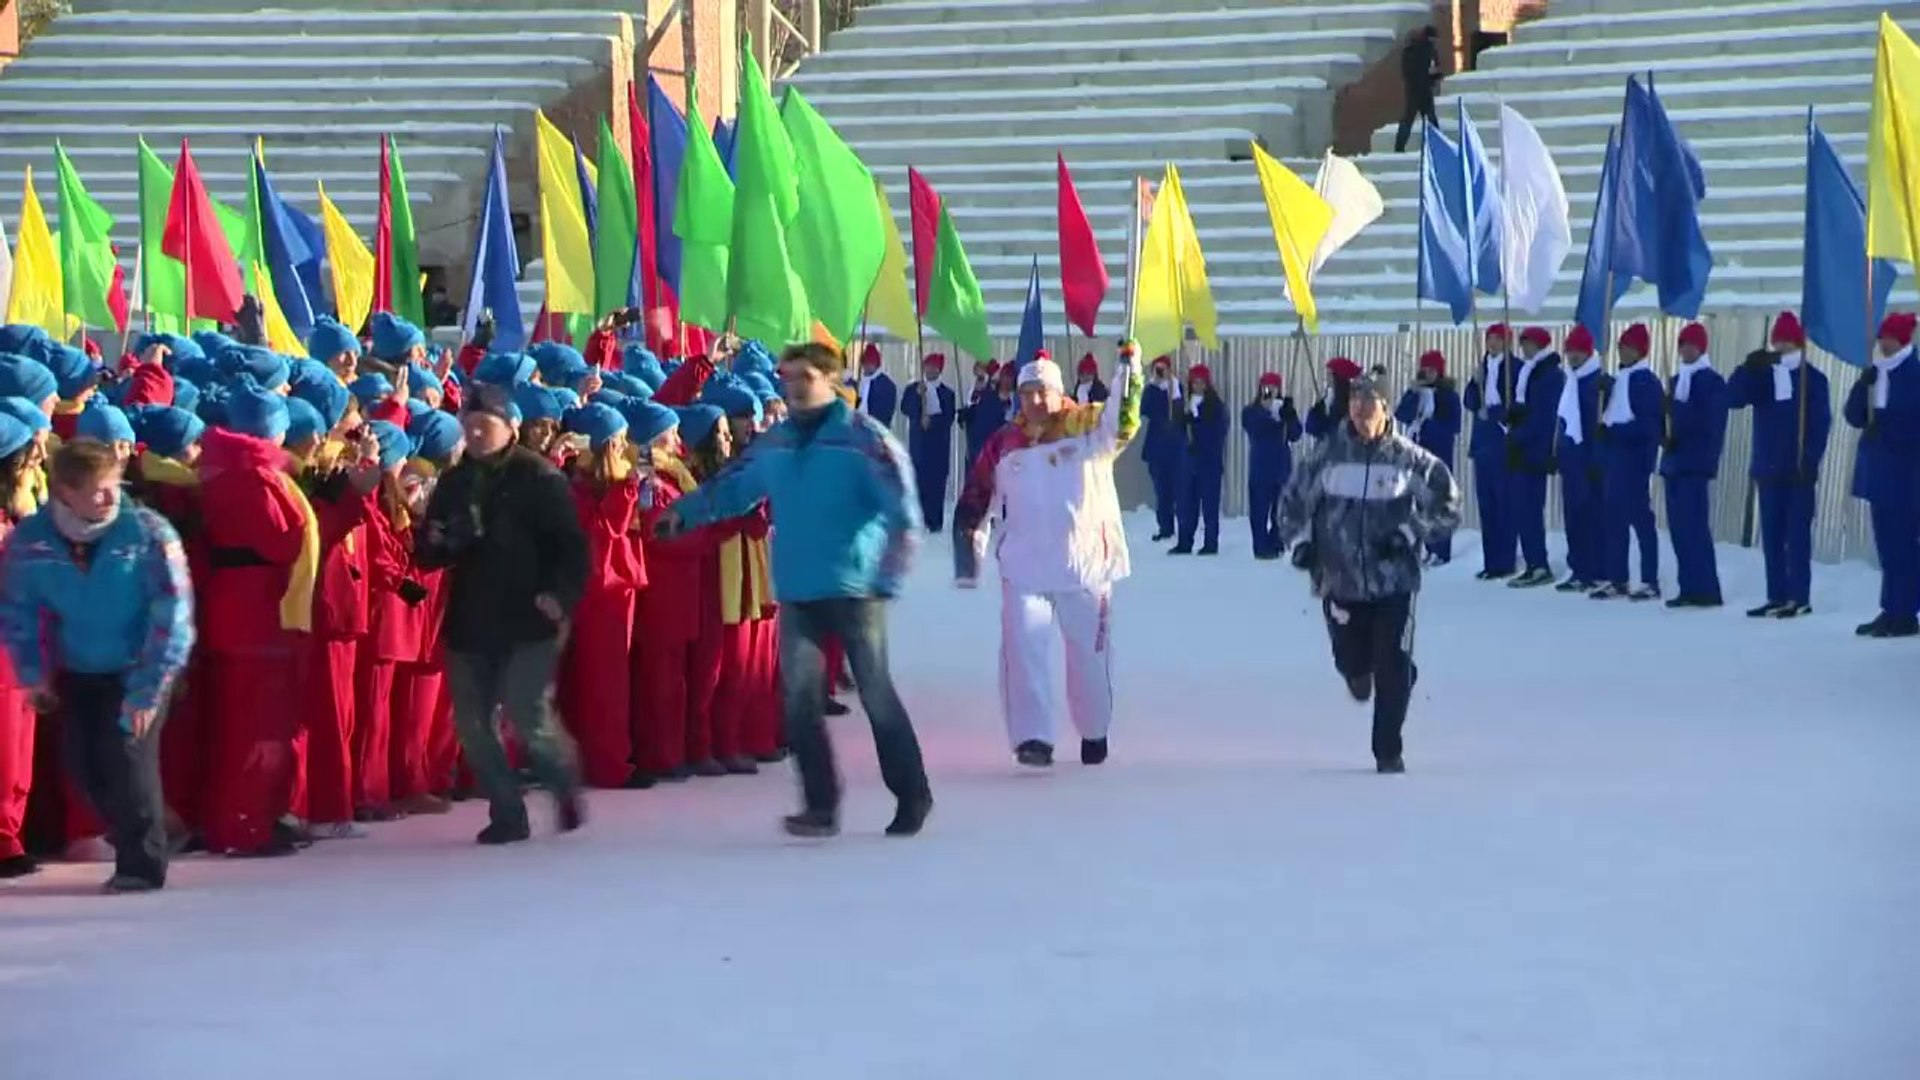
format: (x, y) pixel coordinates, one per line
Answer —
(1045, 372)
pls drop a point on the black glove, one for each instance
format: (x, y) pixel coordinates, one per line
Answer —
(1303, 555)
(1516, 415)
(1870, 376)
(1762, 358)
(1670, 443)
(1287, 415)
(1393, 545)
(411, 592)
(1605, 384)
(483, 329)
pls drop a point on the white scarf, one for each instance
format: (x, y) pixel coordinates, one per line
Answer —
(1490, 389)
(1172, 388)
(930, 397)
(1193, 407)
(1083, 393)
(1273, 407)
(1783, 375)
(1683, 376)
(76, 529)
(1885, 365)
(1569, 408)
(1422, 412)
(866, 384)
(1526, 372)
(1620, 401)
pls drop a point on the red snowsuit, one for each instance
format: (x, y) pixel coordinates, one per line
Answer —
(341, 607)
(16, 746)
(263, 546)
(744, 577)
(674, 672)
(395, 630)
(421, 707)
(595, 687)
(760, 728)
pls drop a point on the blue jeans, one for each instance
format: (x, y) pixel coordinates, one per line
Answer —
(860, 624)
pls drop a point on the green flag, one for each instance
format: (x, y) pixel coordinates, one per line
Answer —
(954, 306)
(765, 295)
(837, 240)
(617, 231)
(703, 220)
(86, 252)
(409, 301)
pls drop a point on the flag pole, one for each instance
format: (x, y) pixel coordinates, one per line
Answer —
(1133, 255)
(186, 248)
(1506, 299)
(139, 282)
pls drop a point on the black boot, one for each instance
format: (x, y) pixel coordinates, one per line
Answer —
(641, 780)
(1209, 549)
(1181, 549)
(1361, 687)
(570, 812)
(18, 866)
(1390, 766)
(811, 824)
(1093, 751)
(1792, 611)
(1034, 754)
(504, 832)
(1767, 610)
(911, 815)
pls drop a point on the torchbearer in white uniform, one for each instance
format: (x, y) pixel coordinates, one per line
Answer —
(1043, 486)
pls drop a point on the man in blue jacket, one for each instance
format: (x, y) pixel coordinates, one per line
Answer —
(1488, 394)
(1696, 435)
(1430, 413)
(1203, 429)
(1272, 428)
(985, 411)
(1533, 418)
(1632, 419)
(845, 524)
(928, 406)
(1792, 420)
(1163, 445)
(874, 392)
(1885, 406)
(1582, 477)
(108, 583)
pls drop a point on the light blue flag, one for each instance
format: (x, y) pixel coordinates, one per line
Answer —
(1444, 276)
(1833, 304)
(496, 261)
(1481, 212)
(1595, 305)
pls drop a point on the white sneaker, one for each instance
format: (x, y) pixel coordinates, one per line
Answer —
(89, 849)
(339, 830)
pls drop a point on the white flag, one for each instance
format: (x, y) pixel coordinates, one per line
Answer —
(6, 268)
(1536, 235)
(1355, 201)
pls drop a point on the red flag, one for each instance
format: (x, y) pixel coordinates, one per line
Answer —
(926, 233)
(1083, 272)
(193, 236)
(117, 298)
(641, 136)
(383, 237)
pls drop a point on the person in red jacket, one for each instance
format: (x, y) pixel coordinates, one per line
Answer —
(19, 460)
(668, 619)
(718, 683)
(263, 546)
(395, 632)
(422, 714)
(596, 708)
(437, 445)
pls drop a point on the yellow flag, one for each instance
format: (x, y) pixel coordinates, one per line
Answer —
(352, 265)
(1300, 221)
(1173, 290)
(36, 298)
(1893, 149)
(563, 224)
(889, 304)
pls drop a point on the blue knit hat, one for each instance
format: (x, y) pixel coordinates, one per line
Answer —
(212, 343)
(599, 423)
(165, 429)
(647, 421)
(505, 369)
(761, 386)
(178, 346)
(568, 399)
(251, 410)
(421, 379)
(697, 423)
(731, 396)
(195, 367)
(435, 436)
(536, 403)
(604, 396)
(263, 366)
(23, 340)
(186, 395)
(21, 376)
(213, 405)
(394, 337)
(630, 385)
(560, 364)
(329, 339)
(395, 446)
(73, 370)
(753, 357)
(13, 436)
(371, 389)
(102, 422)
(27, 412)
(304, 421)
(317, 385)
(416, 407)
(643, 365)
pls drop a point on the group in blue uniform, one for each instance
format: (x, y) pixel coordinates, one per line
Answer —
(1272, 427)
(1163, 445)
(1202, 442)
(1884, 405)
(929, 408)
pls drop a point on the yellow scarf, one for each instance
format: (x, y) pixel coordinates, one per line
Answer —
(742, 557)
(296, 604)
(676, 470)
(156, 469)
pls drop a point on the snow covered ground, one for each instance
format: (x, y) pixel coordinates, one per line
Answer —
(1634, 844)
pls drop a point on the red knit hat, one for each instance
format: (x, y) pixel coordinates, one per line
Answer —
(1695, 335)
(1536, 335)
(1089, 366)
(1342, 368)
(870, 356)
(936, 361)
(1638, 339)
(1787, 328)
(1270, 378)
(993, 367)
(1163, 358)
(1580, 341)
(1433, 360)
(1499, 329)
(1200, 371)
(1899, 327)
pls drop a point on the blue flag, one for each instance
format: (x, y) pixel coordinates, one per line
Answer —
(1595, 305)
(315, 241)
(723, 139)
(1833, 308)
(669, 130)
(1656, 216)
(1033, 336)
(589, 197)
(1444, 274)
(496, 261)
(1481, 211)
(285, 250)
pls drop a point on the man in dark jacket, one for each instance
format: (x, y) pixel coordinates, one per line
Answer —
(1420, 75)
(502, 523)
(1365, 502)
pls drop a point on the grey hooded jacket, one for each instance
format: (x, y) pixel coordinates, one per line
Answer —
(1367, 508)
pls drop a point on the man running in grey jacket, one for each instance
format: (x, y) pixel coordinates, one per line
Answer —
(1366, 502)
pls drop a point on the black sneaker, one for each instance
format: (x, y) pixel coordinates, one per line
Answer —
(811, 824)
(1493, 575)
(1266, 556)
(1532, 579)
(1694, 602)
(1361, 687)
(15, 866)
(124, 884)
(1208, 549)
(1574, 584)
(1768, 610)
(1093, 751)
(570, 813)
(1390, 767)
(504, 832)
(836, 707)
(1872, 627)
(1644, 592)
(1034, 754)
(367, 815)
(740, 765)
(1181, 549)
(1608, 591)
(294, 832)
(679, 774)
(1889, 627)
(912, 814)
(1161, 537)
(641, 780)
(1793, 611)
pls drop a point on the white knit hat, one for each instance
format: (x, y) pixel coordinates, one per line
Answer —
(1045, 372)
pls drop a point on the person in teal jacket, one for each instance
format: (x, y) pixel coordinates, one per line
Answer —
(96, 609)
(846, 521)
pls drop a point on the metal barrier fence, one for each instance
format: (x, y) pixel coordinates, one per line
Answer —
(1841, 528)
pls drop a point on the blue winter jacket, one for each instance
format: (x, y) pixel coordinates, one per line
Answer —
(983, 415)
(846, 517)
(883, 398)
(129, 611)
(1162, 440)
(1697, 428)
(1270, 442)
(1531, 427)
(1206, 435)
(1634, 447)
(930, 447)
(1887, 464)
(1787, 444)
(1488, 444)
(1437, 434)
(1329, 414)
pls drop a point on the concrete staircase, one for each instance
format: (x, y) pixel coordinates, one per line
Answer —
(320, 82)
(979, 94)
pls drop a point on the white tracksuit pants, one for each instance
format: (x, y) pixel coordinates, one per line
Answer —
(1028, 623)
